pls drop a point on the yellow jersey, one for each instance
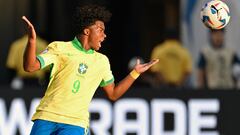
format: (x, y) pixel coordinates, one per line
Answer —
(75, 75)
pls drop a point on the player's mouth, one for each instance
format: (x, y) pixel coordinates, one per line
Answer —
(99, 44)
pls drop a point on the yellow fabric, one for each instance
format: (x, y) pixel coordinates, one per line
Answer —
(15, 57)
(75, 76)
(174, 61)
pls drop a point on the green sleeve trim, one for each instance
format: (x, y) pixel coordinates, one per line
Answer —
(103, 83)
(40, 59)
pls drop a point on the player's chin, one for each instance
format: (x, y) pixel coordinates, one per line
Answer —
(96, 48)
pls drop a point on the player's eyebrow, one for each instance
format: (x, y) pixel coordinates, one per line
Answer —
(102, 28)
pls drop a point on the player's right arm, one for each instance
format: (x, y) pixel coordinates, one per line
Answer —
(30, 62)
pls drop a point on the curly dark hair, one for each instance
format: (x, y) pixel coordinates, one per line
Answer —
(87, 15)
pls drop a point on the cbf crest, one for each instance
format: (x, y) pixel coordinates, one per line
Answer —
(82, 68)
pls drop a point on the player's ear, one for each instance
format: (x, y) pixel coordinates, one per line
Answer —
(86, 31)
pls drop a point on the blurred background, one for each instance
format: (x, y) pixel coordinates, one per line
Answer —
(135, 29)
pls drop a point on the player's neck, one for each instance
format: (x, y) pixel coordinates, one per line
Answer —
(84, 42)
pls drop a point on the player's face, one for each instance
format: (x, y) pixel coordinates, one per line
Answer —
(217, 38)
(96, 35)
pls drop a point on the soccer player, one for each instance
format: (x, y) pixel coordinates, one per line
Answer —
(77, 71)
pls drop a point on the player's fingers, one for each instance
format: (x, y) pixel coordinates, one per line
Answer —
(27, 21)
(155, 61)
(146, 66)
(138, 62)
(152, 62)
(24, 18)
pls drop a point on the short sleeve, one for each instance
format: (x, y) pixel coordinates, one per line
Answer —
(107, 74)
(48, 56)
(236, 59)
(201, 61)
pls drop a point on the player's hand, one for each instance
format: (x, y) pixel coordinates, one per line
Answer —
(140, 68)
(30, 28)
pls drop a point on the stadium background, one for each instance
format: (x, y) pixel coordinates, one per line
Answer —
(136, 27)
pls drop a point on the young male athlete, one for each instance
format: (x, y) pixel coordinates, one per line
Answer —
(77, 71)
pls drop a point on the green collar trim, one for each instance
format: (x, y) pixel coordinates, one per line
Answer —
(78, 45)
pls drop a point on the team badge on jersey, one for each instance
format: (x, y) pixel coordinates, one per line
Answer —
(82, 68)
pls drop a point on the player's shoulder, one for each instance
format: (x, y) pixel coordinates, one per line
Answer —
(101, 56)
(207, 50)
(60, 45)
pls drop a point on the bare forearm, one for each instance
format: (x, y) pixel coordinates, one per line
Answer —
(123, 86)
(30, 60)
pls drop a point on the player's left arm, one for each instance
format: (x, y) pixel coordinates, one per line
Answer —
(116, 91)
